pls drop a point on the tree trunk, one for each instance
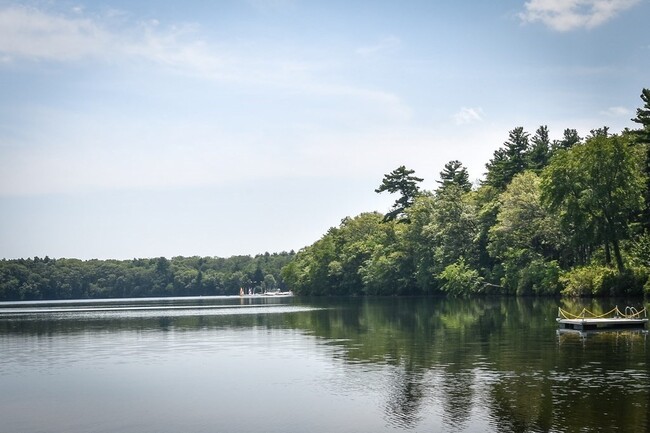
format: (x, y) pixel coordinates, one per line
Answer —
(617, 256)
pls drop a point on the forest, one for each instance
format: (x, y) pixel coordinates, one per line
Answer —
(550, 217)
(37, 279)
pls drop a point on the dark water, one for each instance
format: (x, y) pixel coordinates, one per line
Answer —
(299, 365)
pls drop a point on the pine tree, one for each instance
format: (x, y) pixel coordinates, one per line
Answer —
(403, 181)
(509, 160)
(540, 150)
(455, 174)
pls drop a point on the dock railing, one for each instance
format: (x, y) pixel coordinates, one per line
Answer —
(630, 313)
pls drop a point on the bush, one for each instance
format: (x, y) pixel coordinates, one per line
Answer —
(630, 282)
(540, 278)
(459, 279)
(602, 281)
(578, 281)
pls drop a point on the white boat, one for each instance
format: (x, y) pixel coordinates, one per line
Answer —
(278, 293)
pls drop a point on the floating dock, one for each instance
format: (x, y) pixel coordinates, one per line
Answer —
(614, 319)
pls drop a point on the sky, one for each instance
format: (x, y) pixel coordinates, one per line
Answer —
(149, 128)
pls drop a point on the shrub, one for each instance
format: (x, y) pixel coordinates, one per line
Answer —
(540, 278)
(597, 280)
(630, 282)
(459, 279)
(580, 281)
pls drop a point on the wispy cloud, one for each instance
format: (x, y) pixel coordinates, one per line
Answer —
(616, 112)
(387, 44)
(468, 115)
(566, 15)
(38, 35)
(33, 34)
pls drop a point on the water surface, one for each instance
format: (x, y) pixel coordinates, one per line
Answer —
(323, 365)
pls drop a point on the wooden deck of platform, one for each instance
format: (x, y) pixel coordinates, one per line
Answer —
(584, 324)
(614, 319)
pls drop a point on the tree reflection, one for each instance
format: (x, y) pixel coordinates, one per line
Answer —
(457, 394)
(501, 355)
(404, 399)
(450, 358)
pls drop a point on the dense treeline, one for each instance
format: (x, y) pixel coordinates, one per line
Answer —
(35, 279)
(568, 216)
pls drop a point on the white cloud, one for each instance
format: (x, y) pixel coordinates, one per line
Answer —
(566, 15)
(468, 115)
(33, 34)
(38, 35)
(78, 151)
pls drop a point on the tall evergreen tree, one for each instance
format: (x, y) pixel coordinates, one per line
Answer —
(540, 149)
(599, 132)
(643, 114)
(509, 160)
(455, 173)
(569, 139)
(403, 181)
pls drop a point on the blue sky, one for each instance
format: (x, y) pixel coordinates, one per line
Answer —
(164, 128)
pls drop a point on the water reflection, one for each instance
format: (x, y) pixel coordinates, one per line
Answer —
(504, 356)
(404, 399)
(428, 364)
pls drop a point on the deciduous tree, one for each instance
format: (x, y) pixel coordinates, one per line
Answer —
(597, 187)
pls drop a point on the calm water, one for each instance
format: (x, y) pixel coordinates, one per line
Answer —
(299, 365)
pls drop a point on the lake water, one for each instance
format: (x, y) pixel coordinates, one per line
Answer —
(286, 365)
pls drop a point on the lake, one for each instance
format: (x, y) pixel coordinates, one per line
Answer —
(289, 364)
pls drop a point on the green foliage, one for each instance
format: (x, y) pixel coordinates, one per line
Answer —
(642, 140)
(523, 222)
(580, 281)
(509, 160)
(540, 151)
(389, 270)
(339, 262)
(640, 250)
(643, 114)
(569, 139)
(34, 279)
(626, 283)
(598, 280)
(596, 188)
(402, 181)
(458, 279)
(538, 277)
(526, 239)
(456, 174)
(453, 227)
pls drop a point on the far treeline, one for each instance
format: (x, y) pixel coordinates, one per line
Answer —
(568, 216)
(37, 279)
